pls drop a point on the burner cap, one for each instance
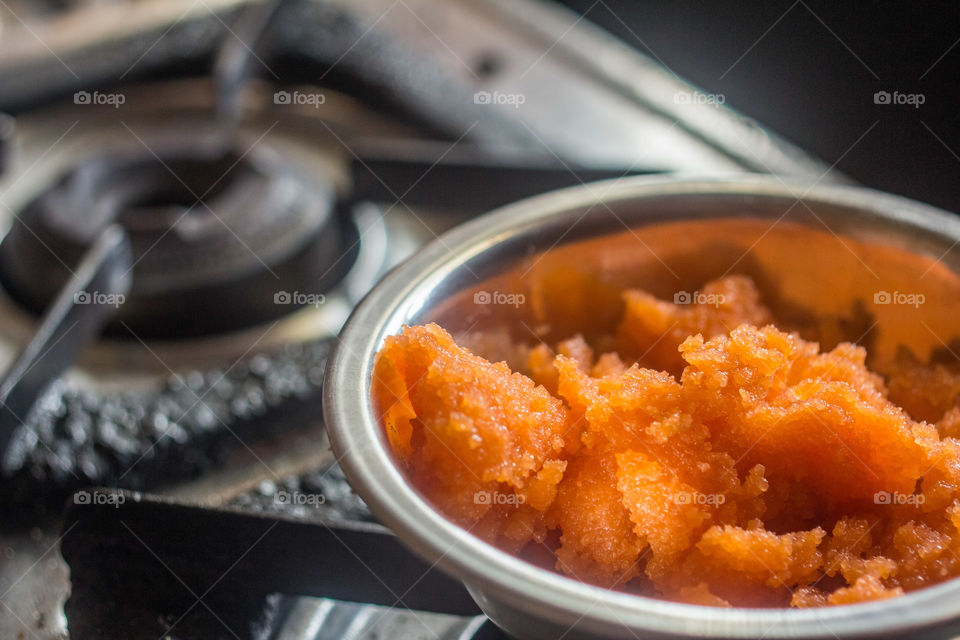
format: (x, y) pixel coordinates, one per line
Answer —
(218, 238)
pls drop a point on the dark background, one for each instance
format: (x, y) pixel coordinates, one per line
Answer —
(799, 74)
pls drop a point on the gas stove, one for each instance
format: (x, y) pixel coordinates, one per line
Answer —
(194, 195)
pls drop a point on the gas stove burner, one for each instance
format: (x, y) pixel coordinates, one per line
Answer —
(217, 234)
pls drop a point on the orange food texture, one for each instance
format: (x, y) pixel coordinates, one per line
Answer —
(817, 419)
(652, 329)
(482, 440)
(926, 392)
(712, 459)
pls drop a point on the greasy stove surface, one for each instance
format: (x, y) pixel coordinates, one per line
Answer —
(359, 130)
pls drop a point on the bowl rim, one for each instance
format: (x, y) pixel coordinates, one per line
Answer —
(361, 449)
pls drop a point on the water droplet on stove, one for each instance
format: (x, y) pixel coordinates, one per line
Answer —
(195, 381)
(259, 365)
(176, 382)
(205, 417)
(267, 488)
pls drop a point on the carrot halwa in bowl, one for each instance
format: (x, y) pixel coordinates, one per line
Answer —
(700, 396)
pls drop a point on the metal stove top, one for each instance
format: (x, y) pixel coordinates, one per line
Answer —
(398, 119)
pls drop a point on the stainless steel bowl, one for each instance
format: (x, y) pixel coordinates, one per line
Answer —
(531, 602)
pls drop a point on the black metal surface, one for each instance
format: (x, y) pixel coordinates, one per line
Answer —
(89, 299)
(139, 439)
(138, 563)
(7, 129)
(320, 42)
(307, 41)
(277, 497)
(237, 59)
(465, 179)
(186, 47)
(215, 234)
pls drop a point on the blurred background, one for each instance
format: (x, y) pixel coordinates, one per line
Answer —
(809, 71)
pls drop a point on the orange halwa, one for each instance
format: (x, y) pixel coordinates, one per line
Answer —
(705, 456)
